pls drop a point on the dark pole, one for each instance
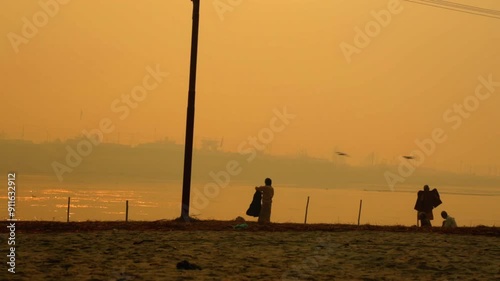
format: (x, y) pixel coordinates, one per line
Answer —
(67, 215)
(126, 210)
(188, 150)
(359, 214)
(307, 207)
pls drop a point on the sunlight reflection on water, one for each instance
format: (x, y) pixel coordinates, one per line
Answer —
(47, 200)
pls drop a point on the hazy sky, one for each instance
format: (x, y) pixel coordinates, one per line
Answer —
(69, 65)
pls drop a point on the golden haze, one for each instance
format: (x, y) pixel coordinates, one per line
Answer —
(263, 55)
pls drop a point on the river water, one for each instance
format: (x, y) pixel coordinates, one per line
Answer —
(41, 198)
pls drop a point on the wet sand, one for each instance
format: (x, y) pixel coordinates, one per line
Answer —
(151, 251)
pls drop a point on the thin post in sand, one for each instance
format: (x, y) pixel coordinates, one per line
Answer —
(307, 207)
(67, 215)
(359, 214)
(126, 210)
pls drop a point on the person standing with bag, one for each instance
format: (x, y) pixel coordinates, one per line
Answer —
(267, 200)
(426, 201)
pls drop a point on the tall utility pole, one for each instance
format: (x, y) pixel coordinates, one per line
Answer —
(188, 150)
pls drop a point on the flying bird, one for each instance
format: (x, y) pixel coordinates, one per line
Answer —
(342, 154)
(408, 157)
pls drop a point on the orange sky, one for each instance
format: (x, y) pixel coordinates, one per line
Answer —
(259, 56)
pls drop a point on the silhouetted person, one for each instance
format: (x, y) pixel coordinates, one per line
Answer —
(267, 200)
(424, 221)
(448, 221)
(426, 201)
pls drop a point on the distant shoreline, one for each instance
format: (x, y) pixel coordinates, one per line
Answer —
(162, 161)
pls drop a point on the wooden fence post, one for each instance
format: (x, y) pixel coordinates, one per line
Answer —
(67, 215)
(126, 211)
(307, 206)
(359, 214)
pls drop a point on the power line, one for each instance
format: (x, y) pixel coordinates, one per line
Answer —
(463, 6)
(459, 8)
(473, 10)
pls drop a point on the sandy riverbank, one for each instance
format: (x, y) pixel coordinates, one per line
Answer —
(151, 250)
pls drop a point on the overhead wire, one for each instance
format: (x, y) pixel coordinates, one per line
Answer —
(473, 10)
(463, 6)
